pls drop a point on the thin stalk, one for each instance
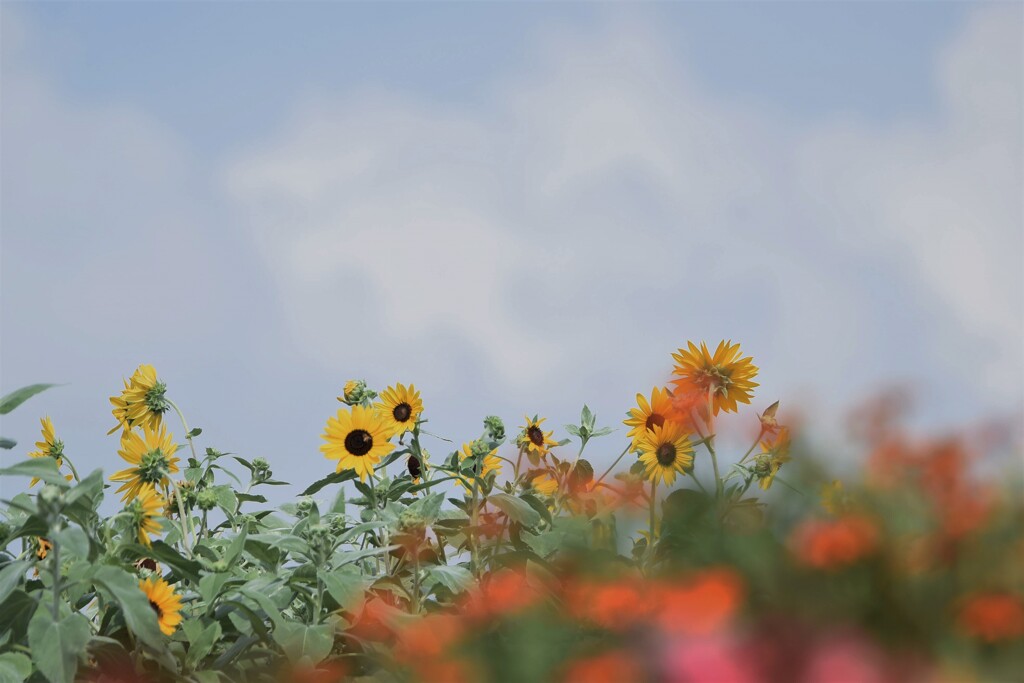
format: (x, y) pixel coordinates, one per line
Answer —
(654, 502)
(55, 570)
(185, 526)
(610, 468)
(474, 553)
(416, 578)
(709, 443)
(192, 447)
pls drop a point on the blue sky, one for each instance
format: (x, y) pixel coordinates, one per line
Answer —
(518, 207)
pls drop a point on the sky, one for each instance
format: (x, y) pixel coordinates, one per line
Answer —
(518, 207)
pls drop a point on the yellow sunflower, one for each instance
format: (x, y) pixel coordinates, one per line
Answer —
(49, 447)
(727, 375)
(544, 484)
(146, 511)
(489, 463)
(400, 408)
(143, 401)
(357, 438)
(42, 547)
(536, 440)
(774, 454)
(646, 415)
(665, 451)
(152, 458)
(164, 601)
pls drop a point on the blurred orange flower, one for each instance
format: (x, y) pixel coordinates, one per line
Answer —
(617, 605)
(503, 593)
(704, 604)
(992, 617)
(833, 544)
(610, 667)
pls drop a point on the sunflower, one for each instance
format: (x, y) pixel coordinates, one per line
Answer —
(357, 438)
(646, 415)
(151, 456)
(725, 374)
(415, 466)
(42, 547)
(50, 446)
(665, 451)
(536, 440)
(400, 408)
(774, 454)
(544, 484)
(164, 601)
(145, 511)
(142, 402)
(488, 463)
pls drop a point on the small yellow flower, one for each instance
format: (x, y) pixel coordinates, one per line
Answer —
(49, 447)
(774, 454)
(666, 451)
(400, 408)
(537, 441)
(42, 547)
(146, 511)
(725, 374)
(646, 416)
(164, 601)
(544, 484)
(488, 464)
(152, 458)
(142, 403)
(357, 438)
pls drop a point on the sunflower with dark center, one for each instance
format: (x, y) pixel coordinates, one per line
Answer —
(415, 467)
(357, 438)
(535, 439)
(647, 415)
(724, 374)
(400, 407)
(143, 401)
(164, 601)
(151, 457)
(665, 451)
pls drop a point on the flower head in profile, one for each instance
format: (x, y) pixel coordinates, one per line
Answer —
(49, 447)
(164, 601)
(543, 483)
(724, 374)
(145, 512)
(485, 461)
(151, 457)
(142, 403)
(357, 438)
(42, 547)
(666, 451)
(535, 439)
(400, 407)
(774, 454)
(356, 392)
(648, 415)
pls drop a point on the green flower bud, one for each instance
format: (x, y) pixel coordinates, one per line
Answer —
(206, 500)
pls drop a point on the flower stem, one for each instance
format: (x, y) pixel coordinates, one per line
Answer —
(612, 466)
(182, 517)
(186, 519)
(55, 570)
(709, 442)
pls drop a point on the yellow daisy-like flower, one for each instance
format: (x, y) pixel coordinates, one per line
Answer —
(489, 463)
(774, 454)
(544, 484)
(151, 457)
(42, 547)
(535, 439)
(400, 408)
(665, 451)
(164, 601)
(146, 511)
(357, 438)
(142, 403)
(49, 447)
(725, 374)
(646, 416)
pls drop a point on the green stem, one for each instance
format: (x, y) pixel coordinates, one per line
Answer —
(182, 518)
(607, 471)
(650, 540)
(709, 442)
(55, 570)
(192, 447)
(416, 579)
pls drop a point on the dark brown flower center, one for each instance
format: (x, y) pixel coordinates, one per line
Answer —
(654, 420)
(358, 442)
(402, 412)
(415, 468)
(156, 608)
(535, 435)
(666, 454)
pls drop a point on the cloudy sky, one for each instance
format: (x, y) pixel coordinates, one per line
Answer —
(518, 207)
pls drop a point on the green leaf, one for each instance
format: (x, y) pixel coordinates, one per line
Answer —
(74, 540)
(305, 644)
(518, 510)
(11, 576)
(88, 487)
(201, 643)
(427, 508)
(14, 667)
(7, 443)
(43, 468)
(124, 589)
(346, 588)
(333, 478)
(453, 577)
(237, 543)
(56, 645)
(15, 613)
(16, 398)
(161, 552)
(226, 500)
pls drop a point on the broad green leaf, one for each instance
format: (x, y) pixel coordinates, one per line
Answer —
(305, 644)
(161, 552)
(201, 643)
(237, 543)
(56, 645)
(124, 589)
(427, 508)
(347, 588)
(518, 510)
(15, 613)
(10, 576)
(88, 487)
(14, 667)
(7, 443)
(333, 478)
(43, 468)
(74, 540)
(19, 396)
(453, 577)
